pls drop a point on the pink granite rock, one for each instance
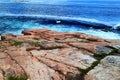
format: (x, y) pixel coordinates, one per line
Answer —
(43, 54)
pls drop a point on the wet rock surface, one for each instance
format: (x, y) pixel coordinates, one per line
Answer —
(43, 54)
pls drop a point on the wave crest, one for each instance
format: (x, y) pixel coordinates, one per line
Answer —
(66, 20)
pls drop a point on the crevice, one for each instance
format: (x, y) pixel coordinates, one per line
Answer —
(3, 73)
(80, 48)
(51, 48)
(107, 41)
(83, 72)
(17, 63)
(68, 76)
(46, 65)
(101, 56)
(41, 61)
(94, 64)
(33, 43)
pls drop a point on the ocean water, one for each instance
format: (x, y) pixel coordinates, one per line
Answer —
(99, 18)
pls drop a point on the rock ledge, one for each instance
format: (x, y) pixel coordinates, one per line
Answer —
(43, 54)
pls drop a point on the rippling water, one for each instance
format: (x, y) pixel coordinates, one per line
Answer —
(96, 18)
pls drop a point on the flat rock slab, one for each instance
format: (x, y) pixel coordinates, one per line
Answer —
(43, 54)
(73, 58)
(108, 69)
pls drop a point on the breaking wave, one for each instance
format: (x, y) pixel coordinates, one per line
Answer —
(16, 23)
(48, 19)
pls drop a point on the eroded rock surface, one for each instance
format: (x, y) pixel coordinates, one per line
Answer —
(48, 55)
(108, 69)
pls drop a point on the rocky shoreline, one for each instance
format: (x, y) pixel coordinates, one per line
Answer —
(43, 54)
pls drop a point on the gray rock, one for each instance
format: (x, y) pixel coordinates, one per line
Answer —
(108, 69)
(116, 46)
(103, 50)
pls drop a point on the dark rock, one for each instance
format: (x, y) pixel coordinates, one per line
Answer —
(103, 50)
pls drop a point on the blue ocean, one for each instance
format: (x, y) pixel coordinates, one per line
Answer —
(99, 18)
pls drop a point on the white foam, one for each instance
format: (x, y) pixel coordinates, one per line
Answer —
(64, 28)
(79, 19)
(117, 26)
(67, 28)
